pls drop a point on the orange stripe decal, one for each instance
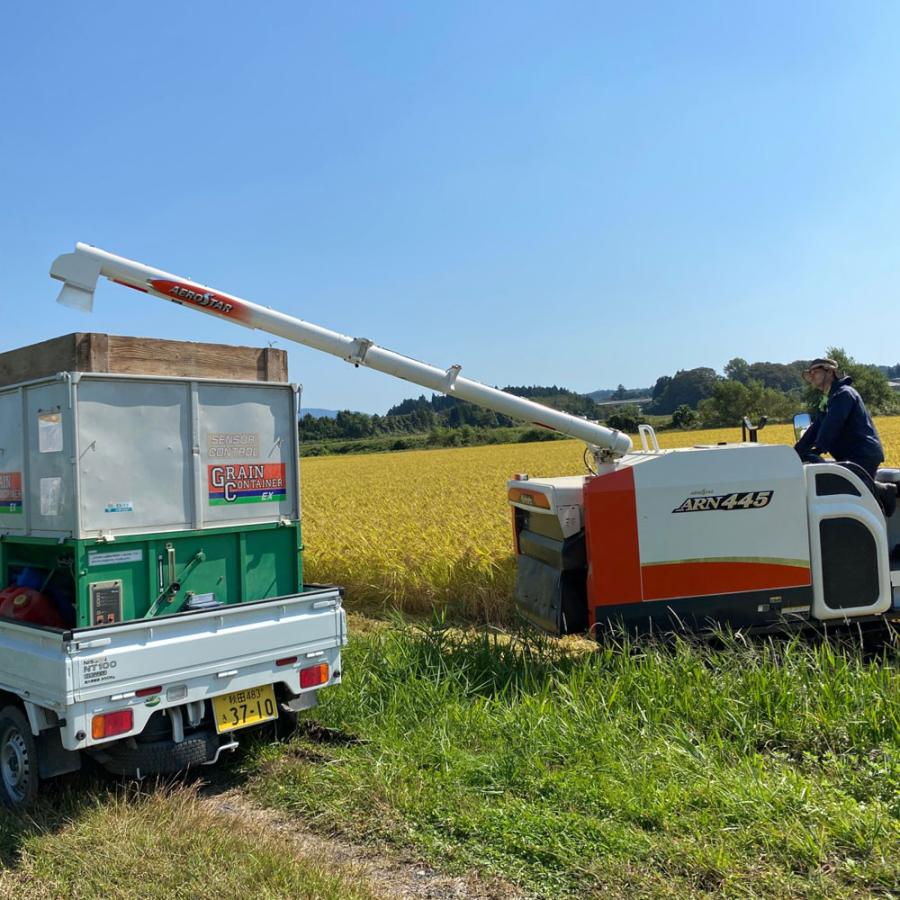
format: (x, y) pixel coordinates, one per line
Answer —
(665, 581)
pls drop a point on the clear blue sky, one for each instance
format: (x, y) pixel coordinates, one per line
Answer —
(571, 193)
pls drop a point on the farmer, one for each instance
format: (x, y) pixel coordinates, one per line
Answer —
(843, 426)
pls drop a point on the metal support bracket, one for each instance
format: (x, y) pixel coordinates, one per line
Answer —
(452, 375)
(360, 348)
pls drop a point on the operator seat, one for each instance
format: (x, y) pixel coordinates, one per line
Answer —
(884, 490)
(891, 476)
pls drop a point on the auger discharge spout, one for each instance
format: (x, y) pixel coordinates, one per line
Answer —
(80, 270)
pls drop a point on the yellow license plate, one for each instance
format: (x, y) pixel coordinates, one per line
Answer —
(243, 708)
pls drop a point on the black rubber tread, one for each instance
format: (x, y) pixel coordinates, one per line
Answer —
(11, 717)
(160, 757)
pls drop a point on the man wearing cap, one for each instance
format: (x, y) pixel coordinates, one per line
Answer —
(843, 426)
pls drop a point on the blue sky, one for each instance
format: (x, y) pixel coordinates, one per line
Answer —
(572, 193)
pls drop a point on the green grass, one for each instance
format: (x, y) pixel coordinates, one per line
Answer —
(163, 844)
(761, 769)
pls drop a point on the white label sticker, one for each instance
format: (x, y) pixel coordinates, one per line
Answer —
(124, 506)
(108, 559)
(50, 435)
(51, 496)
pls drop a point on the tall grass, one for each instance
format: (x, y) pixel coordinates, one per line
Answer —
(763, 769)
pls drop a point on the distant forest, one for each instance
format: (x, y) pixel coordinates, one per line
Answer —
(691, 397)
(421, 415)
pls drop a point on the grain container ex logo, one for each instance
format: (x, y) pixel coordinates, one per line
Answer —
(10, 492)
(249, 483)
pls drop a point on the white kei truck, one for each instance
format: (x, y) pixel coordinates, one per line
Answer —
(152, 605)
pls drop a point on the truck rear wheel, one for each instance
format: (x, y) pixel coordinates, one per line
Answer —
(160, 757)
(18, 760)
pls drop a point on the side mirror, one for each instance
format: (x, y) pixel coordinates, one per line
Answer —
(802, 421)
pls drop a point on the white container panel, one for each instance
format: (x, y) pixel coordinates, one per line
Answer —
(248, 463)
(12, 465)
(772, 527)
(135, 455)
(51, 508)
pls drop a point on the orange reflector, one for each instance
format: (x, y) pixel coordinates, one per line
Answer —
(529, 498)
(113, 723)
(314, 675)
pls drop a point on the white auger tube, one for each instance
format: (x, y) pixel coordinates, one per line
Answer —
(80, 270)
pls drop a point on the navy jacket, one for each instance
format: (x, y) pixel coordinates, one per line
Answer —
(844, 429)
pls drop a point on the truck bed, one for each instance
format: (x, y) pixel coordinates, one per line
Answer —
(190, 656)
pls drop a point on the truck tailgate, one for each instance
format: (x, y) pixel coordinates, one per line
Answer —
(123, 658)
(33, 663)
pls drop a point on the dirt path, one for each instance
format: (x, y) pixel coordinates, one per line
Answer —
(390, 875)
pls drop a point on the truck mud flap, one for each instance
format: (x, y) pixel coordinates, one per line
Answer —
(555, 601)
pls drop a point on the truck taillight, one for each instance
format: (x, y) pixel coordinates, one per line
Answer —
(314, 675)
(110, 724)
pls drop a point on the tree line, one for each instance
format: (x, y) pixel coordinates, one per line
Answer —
(691, 397)
(701, 397)
(439, 414)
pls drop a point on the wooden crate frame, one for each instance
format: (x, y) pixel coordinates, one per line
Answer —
(94, 352)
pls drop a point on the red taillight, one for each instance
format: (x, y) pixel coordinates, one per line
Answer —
(287, 661)
(148, 692)
(113, 723)
(314, 675)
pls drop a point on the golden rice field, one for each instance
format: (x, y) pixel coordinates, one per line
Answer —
(431, 528)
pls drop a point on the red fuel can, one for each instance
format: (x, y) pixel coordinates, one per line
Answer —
(29, 605)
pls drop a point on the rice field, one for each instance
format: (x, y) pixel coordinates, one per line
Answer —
(429, 529)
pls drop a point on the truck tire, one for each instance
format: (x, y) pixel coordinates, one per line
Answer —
(18, 760)
(286, 724)
(160, 757)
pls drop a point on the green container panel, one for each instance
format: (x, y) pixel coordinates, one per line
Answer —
(130, 575)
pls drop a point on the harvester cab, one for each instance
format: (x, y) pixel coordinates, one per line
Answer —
(742, 534)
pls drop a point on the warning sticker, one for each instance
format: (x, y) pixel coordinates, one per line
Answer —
(51, 496)
(10, 493)
(248, 483)
(95, 558)
(50, 432)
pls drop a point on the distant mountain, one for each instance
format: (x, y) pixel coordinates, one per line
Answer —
(319, 413)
